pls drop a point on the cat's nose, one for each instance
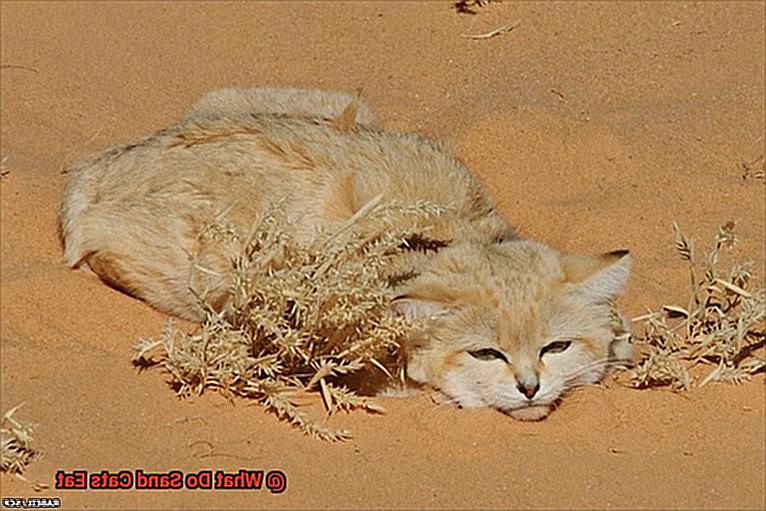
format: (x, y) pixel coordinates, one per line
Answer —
(528, 388)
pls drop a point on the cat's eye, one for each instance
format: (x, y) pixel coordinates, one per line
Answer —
(488, 354)
(555, 347)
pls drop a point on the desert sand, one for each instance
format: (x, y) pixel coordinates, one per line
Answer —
(593, 126)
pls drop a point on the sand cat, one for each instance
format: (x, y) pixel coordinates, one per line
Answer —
(510, 324)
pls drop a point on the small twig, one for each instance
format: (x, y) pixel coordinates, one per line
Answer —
(19, 66)
(3, 172)
(468, 6)
(211, 452)
(751, 170)
(559, 94)
(498, 31)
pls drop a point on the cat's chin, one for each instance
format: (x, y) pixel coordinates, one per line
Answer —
(530, 413)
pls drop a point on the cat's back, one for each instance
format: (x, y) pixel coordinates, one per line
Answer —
(135, 212)
(241, 163)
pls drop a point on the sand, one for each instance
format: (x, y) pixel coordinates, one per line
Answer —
(593, 126)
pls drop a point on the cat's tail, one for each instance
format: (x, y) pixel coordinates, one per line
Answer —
(288, 101)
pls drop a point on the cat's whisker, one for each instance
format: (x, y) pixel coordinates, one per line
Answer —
(572, 379)
(601, 362)
(596, 364)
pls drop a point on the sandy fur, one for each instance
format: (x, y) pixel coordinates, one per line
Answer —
(287, 101)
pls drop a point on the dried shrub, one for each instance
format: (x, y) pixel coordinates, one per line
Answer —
(722, 325)
(300, 315)
(16, 437)
(3, 172)
(752, 170)
(470, 6)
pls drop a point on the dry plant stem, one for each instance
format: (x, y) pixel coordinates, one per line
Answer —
(469, 6)
(16, 437)
(753, 169)
(492, 33)
(299, 316)
(20, 66)
(3, 172)
(722, 325)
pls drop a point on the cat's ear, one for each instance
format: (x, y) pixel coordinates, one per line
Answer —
(419, 309)
(599, 278)
(346, 120)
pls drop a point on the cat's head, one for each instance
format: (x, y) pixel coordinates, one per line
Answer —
(515, 325)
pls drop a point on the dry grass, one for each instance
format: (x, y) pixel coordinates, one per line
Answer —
(3, 171)
(752, 170)
(470, 6)
(300, 316)
(721, 326)
(504, 29)
(16, 437)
